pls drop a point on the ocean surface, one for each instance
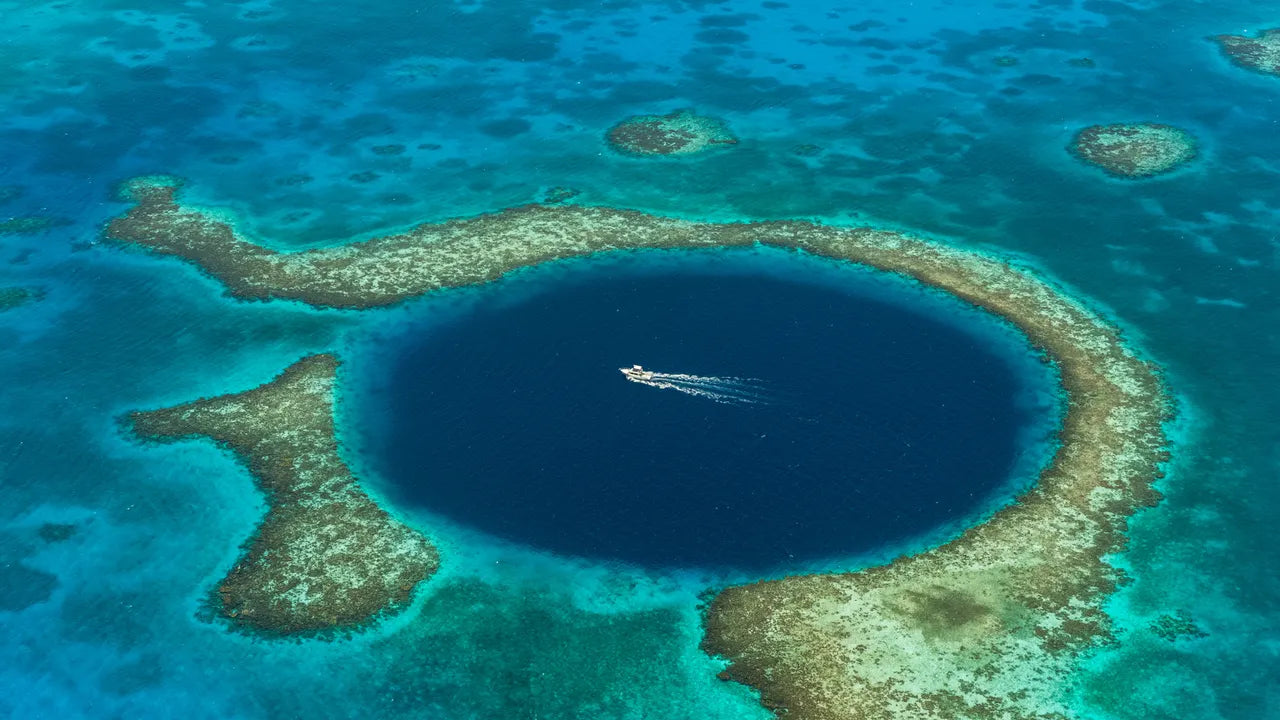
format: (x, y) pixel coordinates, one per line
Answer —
(812, 417)
(316, 124)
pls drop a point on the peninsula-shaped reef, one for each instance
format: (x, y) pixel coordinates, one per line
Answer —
(1260, 54)
(987, 625)
(325, 557)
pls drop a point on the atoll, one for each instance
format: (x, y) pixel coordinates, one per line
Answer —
(1136, 150)
(325, 557)
(12, 297)
(1261, 53)
(680, 133)
(989, 624)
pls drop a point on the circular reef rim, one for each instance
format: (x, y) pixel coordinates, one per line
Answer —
(989, 624)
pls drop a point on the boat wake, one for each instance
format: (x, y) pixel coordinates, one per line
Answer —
(727, 390)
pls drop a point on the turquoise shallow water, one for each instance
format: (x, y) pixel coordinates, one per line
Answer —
(315, 124)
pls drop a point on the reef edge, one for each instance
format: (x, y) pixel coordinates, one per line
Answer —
(325, 558)
(987, 625)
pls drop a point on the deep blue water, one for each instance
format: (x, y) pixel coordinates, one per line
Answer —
(865, 422)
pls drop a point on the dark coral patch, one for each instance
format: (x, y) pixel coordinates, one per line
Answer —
(12, 297)
(56, 532)
(1261, 54)
(557, 195)
(679, 133)
(1177, 626)
(506, 128)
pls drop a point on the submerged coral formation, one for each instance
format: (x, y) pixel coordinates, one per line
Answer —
(12, 297)
(679, 133)
(325, 556)
(1135, 150)
(56, 532)
(1177, 626)
(987, 625)
(31, 224)
(1261, 53)
(559, 194)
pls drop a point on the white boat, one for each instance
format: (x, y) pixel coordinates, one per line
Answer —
(637, 373)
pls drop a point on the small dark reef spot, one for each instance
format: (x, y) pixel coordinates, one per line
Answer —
(1177, 626)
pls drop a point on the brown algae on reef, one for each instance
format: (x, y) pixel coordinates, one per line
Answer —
(987, 625)
(1137, 150)
(325, 557)
(1261, 54)
(678, 133)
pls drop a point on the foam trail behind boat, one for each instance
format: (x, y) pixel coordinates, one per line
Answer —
(728, 390)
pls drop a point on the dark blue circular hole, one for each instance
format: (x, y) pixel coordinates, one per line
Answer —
(872, 422)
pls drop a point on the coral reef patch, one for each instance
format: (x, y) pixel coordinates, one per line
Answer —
(56, 532)
(1137, 150)
(679, 133)
(325, 557)
(559, 194)
(12, 297)
(31, 224)
(1261, 54)
(1177, 626)
(989, 624)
